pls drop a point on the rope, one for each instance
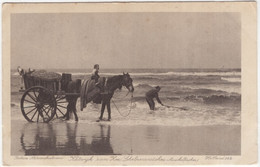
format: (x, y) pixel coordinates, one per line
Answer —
(131, 102)
(181, 108)
(122, 97)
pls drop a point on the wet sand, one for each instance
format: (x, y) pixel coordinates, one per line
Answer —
(70, 138)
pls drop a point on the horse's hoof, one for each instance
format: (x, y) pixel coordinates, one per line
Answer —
(98, 120)
(108, 120)
(64, 116)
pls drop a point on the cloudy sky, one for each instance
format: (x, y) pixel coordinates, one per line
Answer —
(126, 40)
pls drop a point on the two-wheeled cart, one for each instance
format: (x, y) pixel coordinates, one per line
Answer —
(43, 99)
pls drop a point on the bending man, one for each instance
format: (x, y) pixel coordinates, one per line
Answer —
(151, 94)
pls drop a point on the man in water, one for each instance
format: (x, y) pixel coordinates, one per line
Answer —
(94, 74)
(151, 94)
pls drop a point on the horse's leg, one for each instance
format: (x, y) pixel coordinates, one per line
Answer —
(67, 115)
(109, 110)
(75, 110)
(102, 110)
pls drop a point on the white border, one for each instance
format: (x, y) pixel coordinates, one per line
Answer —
(39, 1)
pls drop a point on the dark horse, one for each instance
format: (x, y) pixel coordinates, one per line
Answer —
(73, 87)
(109, 87)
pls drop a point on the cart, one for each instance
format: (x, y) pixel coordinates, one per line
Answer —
(43, 99)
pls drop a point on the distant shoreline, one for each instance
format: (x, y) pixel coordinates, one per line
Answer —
(145, 69)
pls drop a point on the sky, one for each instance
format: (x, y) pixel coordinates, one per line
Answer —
(126, 40)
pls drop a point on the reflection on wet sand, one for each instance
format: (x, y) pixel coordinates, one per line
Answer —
(102, 145)
(46, 141)
(63, 138)
(39, 145)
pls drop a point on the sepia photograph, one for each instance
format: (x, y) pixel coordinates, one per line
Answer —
(128, 85)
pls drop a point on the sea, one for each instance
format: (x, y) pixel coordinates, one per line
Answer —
(194, 97)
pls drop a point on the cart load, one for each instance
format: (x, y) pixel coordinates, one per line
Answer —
(49, 80)
(42, 74)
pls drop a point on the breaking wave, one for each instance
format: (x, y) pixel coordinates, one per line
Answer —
(231, 79)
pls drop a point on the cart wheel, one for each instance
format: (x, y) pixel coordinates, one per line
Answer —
(61, 106)
(38, 104)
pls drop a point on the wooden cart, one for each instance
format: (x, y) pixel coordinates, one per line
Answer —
(43, 99)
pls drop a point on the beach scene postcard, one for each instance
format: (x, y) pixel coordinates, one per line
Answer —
(171, 83)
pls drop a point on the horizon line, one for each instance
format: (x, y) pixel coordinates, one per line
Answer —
(137, 68)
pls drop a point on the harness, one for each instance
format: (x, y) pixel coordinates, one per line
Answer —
(104, 85)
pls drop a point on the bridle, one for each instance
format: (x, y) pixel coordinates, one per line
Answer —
(127, 84)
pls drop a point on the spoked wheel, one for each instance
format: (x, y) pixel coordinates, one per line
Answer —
(38, 104)
(61, 106)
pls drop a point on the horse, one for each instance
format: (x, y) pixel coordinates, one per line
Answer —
(111, 84)
(71, 86)
(107, 89)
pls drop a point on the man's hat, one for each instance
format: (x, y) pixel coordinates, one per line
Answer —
(158, 87)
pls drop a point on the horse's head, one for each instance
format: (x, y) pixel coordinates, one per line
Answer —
(128, 82)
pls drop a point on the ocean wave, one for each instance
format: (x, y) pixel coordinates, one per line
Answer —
(217, 88)
(229, 79)
(179, 77)
(204, 73)
(141, 86)
(186, 90)
(215, 99)
(185, 80)
(207, 99)
(235, 73)
(197, 92)
(173, 73)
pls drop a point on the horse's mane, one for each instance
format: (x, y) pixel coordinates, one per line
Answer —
(114, 79)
